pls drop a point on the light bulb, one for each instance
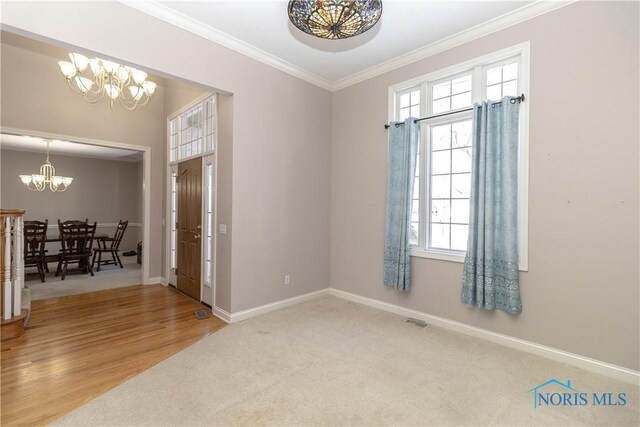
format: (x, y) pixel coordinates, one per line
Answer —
(79, 61)
(68, 69)
(149, 87)
(96, 66)
(56, 180)
(136, 92)
(83, 83)
(138, 76)
(123, 74)
(112, 91)
(110, 67)
(67, 180)
(26, 179)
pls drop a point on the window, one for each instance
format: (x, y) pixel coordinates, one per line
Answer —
(208, 226)
(440, 208)
(192, 131)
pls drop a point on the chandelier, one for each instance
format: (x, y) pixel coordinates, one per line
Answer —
(334, 19)
(126, 84)
(47, 175)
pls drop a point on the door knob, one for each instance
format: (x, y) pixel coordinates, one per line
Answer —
(197, 227)
(197, 236)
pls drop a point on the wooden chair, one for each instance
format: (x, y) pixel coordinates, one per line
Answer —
(35, 232)
(112, 248)
(77, 242)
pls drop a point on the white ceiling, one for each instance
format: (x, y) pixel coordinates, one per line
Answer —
(404, 27)
(66, 148)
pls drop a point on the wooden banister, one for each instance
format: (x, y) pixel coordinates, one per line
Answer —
(11, 266)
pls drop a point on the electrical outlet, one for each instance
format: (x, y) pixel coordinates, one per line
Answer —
(287, 280)
(222, 228)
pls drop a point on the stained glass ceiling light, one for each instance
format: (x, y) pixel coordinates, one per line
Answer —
(334, 19)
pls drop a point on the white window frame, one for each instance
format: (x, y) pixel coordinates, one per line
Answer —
(477, 67)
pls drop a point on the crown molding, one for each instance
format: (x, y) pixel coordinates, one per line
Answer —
(187, 23)
(514, 17)
(184, 22)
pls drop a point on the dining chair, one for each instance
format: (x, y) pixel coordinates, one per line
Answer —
(112, 248)
(76, 238)
(35, 233)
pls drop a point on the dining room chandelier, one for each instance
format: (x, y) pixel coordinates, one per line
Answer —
(94, 78)
(334, 19)
(46, 178)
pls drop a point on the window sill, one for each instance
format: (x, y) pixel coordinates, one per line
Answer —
(439, 255)
(449, 256)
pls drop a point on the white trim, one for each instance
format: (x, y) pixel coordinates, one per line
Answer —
(194, 26)
(146, 180)
(517, 16)
(433, 254)
(593, 365)
(222, 314)
(267, 308)
(155, 281)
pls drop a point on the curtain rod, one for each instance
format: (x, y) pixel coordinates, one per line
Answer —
(519, 99)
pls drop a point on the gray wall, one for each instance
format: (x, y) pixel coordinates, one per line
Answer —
(581, 291)
(281, 141)
(103, 191)
(35, 97)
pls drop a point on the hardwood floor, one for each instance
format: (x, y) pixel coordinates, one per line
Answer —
(78, 347)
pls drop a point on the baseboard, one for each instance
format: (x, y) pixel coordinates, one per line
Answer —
(222, 314)
(246, 314)
(156, 280)
(593, 365)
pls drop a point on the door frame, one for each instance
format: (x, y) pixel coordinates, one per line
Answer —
(167, 223)
(146, 183)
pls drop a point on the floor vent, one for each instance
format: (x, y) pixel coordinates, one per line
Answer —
(201, 314)
(416, 322)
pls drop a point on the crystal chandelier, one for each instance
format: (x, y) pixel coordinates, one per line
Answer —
(126, 84)
(334, 19)
(47, 175)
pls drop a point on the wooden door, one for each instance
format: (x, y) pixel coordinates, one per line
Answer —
(189, 227)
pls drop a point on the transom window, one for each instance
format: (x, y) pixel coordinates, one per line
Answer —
(442, 186)
(192, 132)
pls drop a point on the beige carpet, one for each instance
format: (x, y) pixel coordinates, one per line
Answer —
(332, 362)
(108, 277)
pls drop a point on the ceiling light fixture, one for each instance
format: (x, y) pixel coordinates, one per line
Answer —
(334, 19)
(47, 175)
(126, 84)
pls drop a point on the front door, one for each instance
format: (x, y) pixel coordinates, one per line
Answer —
(189, 227)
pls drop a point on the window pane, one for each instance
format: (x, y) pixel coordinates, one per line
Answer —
(415, 207)
(461, 160)
(460, 211)
(404, 100)
(441, 162)
(494, 75)
(441, 105)
(413, 238)
(440, 211)
(459, 236)
(510, 88)
(494, 92)
(441, 137)
(461, 84)
(404, 114)
(461, 134)
(461, 101)
(415, 111)
(440, 187)
(415, 97)
(461, 185)
(441, 90)
(416, 188)
(440, 236)
(510, 72)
